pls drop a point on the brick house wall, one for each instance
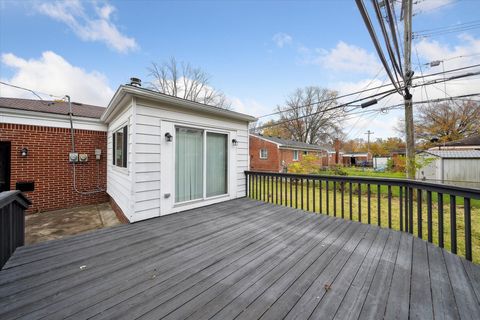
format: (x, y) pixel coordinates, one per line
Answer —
(272, 163)
(286, 156)
(48, 166)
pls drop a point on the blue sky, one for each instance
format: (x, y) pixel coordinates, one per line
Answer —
(257, 52)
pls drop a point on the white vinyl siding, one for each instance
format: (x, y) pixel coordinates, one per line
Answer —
(119, 180)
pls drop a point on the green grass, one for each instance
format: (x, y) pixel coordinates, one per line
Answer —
(366, 172)
(314, 202)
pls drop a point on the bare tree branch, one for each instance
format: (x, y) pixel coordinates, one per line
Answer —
(184, 81)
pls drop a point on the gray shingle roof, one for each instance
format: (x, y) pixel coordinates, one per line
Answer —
(469, 141)
(79, 109)
(459, 154)
(292, 143)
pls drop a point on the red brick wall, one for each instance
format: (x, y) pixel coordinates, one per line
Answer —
(47, 164)
(272, 163)
(286, 155)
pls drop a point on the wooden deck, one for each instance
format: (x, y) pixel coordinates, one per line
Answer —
(240, 259)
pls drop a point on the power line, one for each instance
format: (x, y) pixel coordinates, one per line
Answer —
(373, 36)
(367, 90)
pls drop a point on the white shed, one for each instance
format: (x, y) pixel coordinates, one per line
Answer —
(457, 167)
(166, 154)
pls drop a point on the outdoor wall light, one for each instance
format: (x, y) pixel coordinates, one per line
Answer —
(234, 142)
(23, 152)
(168, 137)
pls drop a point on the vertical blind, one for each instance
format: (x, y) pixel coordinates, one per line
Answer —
(216, 164)
(189, 164)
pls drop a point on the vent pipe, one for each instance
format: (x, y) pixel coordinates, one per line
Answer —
(136, 82)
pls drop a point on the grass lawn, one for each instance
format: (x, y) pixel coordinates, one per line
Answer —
(319, 202)
(366, 172)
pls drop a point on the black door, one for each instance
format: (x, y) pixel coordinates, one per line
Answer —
(5, 150)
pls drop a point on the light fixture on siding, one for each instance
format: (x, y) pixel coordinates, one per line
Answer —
(23, 152)
(168, 137)
(234, 142)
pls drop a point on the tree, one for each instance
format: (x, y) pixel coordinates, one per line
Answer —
(273, 130)
(306, 116)
(184, 81)
(446, 121)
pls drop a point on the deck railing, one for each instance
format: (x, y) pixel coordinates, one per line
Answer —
(12, 223)
(446, 215)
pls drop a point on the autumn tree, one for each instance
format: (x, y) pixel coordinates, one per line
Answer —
(274, 130)
(448, 121)
(182, 80)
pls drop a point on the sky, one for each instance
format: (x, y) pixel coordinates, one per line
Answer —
(256, 52)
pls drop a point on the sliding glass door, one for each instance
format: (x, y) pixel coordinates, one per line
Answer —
(201, 164)
(217, 158)
(189, 164)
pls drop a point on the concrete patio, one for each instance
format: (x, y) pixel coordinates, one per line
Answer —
(67, 222)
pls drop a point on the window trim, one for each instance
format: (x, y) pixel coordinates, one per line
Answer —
(266, 153)
(124, 129)
(295, 152)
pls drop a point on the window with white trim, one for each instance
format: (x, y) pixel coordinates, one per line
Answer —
(263, 154)
(120, 152)
(295, 155)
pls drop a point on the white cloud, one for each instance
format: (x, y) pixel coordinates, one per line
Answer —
(89, 26)
(344, 57)
(282, 39)
(249, 106)
(466, 53)
(432, 5)
(52, 74)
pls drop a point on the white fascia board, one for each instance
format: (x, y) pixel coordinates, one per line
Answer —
(124, 90)
(43, 119)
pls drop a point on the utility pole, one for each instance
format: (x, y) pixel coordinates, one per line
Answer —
(407, 44)
(368, 133)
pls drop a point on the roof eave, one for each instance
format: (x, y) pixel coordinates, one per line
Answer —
(173, 101)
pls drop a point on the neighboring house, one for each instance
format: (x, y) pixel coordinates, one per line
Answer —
(35, 141)
(357, 159)
(469, 143)
(275, 154)
(167, 154)
(458, 167)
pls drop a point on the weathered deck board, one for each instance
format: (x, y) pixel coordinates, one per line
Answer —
(240, 259)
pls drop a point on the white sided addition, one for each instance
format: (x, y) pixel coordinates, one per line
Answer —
(178, 154)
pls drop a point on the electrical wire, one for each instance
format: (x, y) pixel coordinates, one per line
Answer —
(386, 37)
(371, 89)
(373, 36)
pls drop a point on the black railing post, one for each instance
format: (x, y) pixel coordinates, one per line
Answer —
(360, 202)
(419, 213)
(334, 198)
(12, 223)
(453, 224)
(400, 193)
(379, 210)
(350, 200)
(389, 206)
(369, 194)
(468, 229)
(429, 217)
(440, 220)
